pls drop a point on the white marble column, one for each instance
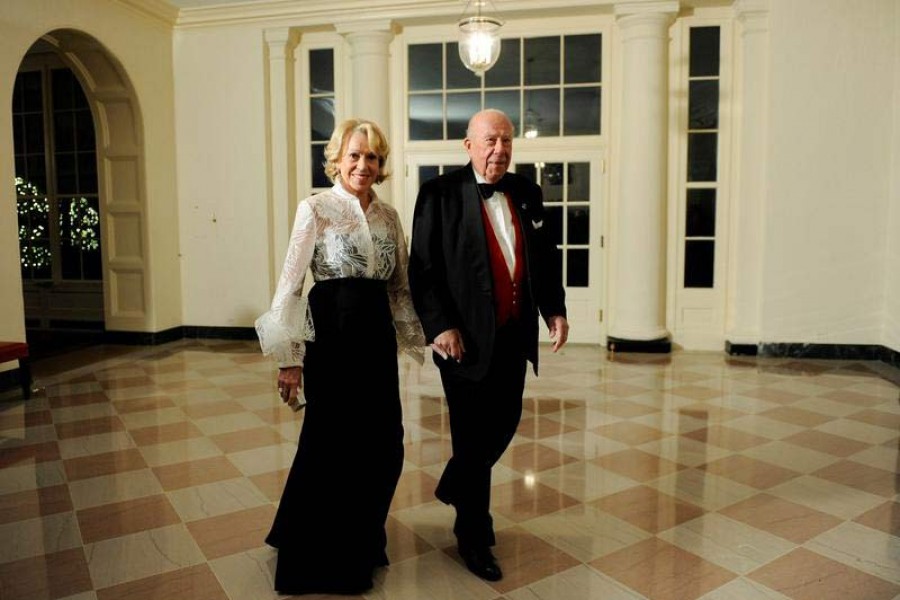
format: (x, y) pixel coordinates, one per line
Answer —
(370, 57)
(745, 260)
(370, 96)
(282, 143)
(639, 287)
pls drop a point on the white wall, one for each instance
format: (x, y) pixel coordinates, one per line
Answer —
(220, 100)
(830, 164)
(892, 268)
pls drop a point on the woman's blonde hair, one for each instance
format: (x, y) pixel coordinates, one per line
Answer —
(338, 143)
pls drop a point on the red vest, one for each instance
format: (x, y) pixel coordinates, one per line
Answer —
(507, 292)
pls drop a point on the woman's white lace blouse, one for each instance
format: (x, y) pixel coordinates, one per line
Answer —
(334, 239)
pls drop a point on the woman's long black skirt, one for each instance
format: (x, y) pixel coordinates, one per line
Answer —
(329, 528)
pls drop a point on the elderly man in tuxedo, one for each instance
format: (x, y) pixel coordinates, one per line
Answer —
(481, 271)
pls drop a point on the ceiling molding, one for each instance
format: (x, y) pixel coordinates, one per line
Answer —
(160, 10)
(317, 13)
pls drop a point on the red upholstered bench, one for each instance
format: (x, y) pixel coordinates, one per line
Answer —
(10, 351)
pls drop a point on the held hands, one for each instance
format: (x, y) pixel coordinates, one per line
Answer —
(559, 331)
(290, 380)
(449, 345)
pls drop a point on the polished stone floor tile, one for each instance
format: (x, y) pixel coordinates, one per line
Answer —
(793, 522)
(196, 472)
(805, 575)
(95, 465)
(233, 532)
(154, 472)
(126, 517)
(661, 571)
(197, 583)
(50, 576)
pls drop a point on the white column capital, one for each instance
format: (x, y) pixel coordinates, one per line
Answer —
(281, 41)
(384, 26)
(668, 8)
(753, 15)
(744, 8)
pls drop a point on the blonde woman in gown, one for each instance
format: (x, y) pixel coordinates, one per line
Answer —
(340, 345)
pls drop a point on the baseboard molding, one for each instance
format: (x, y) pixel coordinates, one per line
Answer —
(193, 332)
(143, 338)
(660, 346)
(818, 351)
(200, 332)
(741, 349)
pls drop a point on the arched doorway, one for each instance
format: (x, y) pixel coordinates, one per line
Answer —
(80, 192)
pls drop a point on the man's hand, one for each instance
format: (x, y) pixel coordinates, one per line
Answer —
(449, 344)
(559, 331)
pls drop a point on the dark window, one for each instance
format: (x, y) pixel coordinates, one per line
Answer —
(548, 86)
(57, 204)
(321, 112)
(702, 157)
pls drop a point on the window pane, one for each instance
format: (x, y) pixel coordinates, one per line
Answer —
(507, 71)
(426, 173)
(544, 115)
(18, 104)
(704, 52)
(36, 260)
(79, 233)
(32, 91)
(64, 130)
(87, 173)
(34, 133)
(579, 182)
(582, 110)
(583, 53)
(36, 172)
(321, 71)
(458, 76)
(703, 104)
(84, 130)
(542, 61)
(18, 135)
(508, 102)
(317, 167)
(528, 171)
(702, 156)
(66, 180)
(552, 182)
(577, 268)
(449, 168)
(701, 213)
(34, 234)
(425, 67)
(553, 224)
(460, 108)
(426, 117)
(321, 117)
(578, 225)
(699, 258)
(62, 86)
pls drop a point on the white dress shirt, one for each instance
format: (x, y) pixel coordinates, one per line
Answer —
(497, 208)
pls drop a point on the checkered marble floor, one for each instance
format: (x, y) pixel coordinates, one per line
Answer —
(155, 472)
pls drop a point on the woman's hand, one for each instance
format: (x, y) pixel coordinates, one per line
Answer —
(290, 380)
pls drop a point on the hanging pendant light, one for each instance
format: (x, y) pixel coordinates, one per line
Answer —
(479, 39)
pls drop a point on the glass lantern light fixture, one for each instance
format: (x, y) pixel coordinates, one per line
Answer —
(479, 38)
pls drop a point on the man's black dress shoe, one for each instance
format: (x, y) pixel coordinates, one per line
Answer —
(481, 561)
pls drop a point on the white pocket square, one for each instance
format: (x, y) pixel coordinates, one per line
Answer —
(537, 224)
